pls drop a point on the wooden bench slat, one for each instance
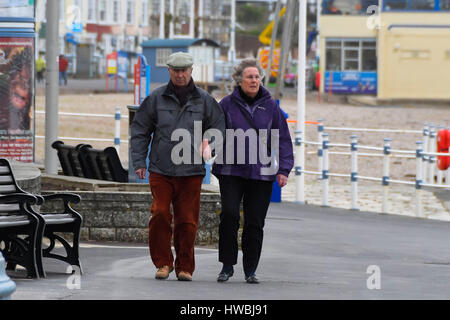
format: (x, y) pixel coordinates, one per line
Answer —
(8, 188)
(4, 170)
(58, 218)
(12, 221)
(6, 180)
(13, 207)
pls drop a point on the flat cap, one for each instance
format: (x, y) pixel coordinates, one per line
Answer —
(180, 60)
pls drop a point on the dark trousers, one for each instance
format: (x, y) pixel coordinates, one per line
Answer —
(256, 199)
(184, 195)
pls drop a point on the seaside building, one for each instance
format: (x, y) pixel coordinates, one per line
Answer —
(398, 51)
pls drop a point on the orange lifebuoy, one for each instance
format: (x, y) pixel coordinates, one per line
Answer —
(443, 145)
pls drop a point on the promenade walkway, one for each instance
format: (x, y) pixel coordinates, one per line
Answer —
(309, 252)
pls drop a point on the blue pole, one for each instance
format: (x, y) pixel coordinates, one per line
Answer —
(7, 287)
(147, 83)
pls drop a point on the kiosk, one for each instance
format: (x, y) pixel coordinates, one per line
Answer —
(17, 64)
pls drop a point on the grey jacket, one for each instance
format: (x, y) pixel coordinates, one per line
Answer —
(160, 114)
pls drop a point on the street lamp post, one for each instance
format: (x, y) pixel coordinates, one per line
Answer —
(51, 88)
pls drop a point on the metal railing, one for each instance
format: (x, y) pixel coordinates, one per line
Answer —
(117, 118)
(424, 156)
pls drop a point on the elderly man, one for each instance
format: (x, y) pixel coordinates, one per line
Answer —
(177, 105)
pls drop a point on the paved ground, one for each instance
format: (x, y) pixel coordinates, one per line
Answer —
(309, 252)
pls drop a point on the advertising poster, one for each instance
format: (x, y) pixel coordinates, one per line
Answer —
(17, 8)
(351, 82)
(16, 98)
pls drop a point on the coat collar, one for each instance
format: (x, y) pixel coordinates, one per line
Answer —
(169, 91)
(264, 96)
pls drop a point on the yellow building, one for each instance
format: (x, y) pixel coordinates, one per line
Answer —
(399, 52)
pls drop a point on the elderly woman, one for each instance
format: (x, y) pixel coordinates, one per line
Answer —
(254, 117)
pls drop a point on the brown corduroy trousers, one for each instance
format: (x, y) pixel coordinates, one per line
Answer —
(184, 195)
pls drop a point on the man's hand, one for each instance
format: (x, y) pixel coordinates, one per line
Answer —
(282, 180)
(141, 173)
(205, 150)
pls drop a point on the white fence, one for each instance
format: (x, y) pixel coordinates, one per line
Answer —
(117, 117)
(424, 156)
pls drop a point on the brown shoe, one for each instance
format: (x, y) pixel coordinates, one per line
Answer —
(163, 272)
(184, 276)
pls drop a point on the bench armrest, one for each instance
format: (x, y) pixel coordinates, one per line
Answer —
(18, 197)
(66, 197)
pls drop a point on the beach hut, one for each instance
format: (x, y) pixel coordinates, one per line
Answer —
(156, 52)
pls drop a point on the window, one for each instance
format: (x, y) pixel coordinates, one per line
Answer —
(444, 4)
(144, 13)
(369, 56)
(161, 57)
(92, 11)
(116, 11)
(130, 12)
(422, 4)
(351, 55)
(102, 10)
(395, 5)
(334, 55)
(347, 7)
(414, 5)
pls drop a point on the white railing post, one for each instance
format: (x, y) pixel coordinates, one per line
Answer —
(325, 176)
(354, 173)
(419, 178)
(447, 177)
(426, 139)
(385, 180)
(299, 182)
(319, 146)
(117, 132)
(439, 173)
(432, 159)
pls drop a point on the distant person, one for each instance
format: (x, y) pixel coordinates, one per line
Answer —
(63, 65)
(40, 68)
(251, 109)
(176, 106)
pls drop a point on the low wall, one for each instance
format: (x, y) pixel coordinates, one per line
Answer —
(27, 175)
(116, 214)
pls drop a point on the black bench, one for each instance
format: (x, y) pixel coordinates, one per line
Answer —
(18, 230)
(85, 161)
(69, 159)
(48, 223)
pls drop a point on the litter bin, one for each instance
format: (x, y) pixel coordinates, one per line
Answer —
(132, 176)
(276, 190)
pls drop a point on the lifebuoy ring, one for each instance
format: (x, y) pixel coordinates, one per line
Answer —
(443, 145)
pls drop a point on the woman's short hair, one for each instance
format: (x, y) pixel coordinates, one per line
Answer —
(246, 63)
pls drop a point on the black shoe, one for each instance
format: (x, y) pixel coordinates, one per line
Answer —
(252, 279)
(224, 276)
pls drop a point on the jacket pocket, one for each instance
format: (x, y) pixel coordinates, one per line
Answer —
(167, 115)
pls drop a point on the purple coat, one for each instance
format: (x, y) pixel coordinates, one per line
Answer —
(266, 114)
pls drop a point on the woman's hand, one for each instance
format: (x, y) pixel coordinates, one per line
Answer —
(282, 180)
